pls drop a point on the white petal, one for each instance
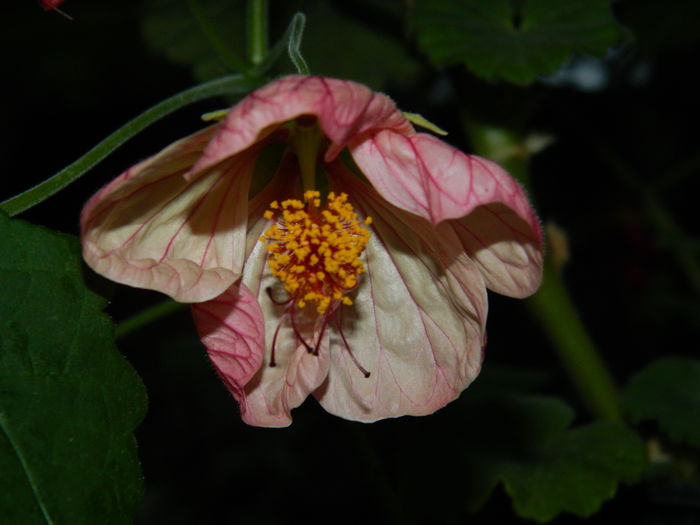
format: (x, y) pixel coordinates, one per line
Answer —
(417, 322)
(274, 391)
(505, 248)
(151, 228)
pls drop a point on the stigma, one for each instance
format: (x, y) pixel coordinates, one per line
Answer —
(316, 250)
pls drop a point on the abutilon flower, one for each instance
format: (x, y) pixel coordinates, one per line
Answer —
(356, 271)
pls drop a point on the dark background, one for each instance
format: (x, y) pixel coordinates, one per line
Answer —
(621, 152)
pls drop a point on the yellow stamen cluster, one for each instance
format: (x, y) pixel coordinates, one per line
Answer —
(316, 251)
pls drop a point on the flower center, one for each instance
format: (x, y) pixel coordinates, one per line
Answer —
(315, 251)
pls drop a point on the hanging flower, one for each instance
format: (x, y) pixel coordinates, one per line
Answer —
(356, 272)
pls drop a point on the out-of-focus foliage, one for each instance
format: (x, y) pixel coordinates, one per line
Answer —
(339, 45)
(202, 34)
(68, 401)
(616, 177)
(206, 36)
(526, 443)
(513, 40)
(668, 392)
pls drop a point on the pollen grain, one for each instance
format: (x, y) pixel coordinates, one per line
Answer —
(315, 251)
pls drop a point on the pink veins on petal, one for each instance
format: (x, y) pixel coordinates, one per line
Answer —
(370, 296)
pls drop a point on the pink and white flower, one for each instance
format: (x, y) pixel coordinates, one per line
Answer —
(384, 315)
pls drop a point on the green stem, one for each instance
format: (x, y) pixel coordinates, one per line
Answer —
(257, 31)
(289, 42)
(668, 231)
(231, 84)
(147, 316)
(294, 44)
(553, 308)
(227, 56)
(552, 305)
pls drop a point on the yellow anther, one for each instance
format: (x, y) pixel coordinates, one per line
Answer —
(316, 254)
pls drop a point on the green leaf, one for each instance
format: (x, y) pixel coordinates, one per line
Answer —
(668, 392)
(557, 469)
(341, 46)
(574, 471)
(69, 402)
(526, 444)
(334, 44)
(512, 40)
(207, 36)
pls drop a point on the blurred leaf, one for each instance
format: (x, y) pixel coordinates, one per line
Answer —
(509, 39)
(208, 39)
(668, 392)
(576, 471)
(526, 444)
(341, 46)
(334, 44)
(68, 401)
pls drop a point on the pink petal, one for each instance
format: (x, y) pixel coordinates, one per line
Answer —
(151, 228)
(344, 109)
(423, 175)
(491, 213)
(276, 390)
(417, 322)
(231, 327)
(269, 397)
(506, 248)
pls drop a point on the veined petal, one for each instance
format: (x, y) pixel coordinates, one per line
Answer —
(276, 390)
(151, 228)
(506, 248)
(417, 319)
(231, 328)
(423, 175)
(489, 210)
(344, 109)
(269, 397)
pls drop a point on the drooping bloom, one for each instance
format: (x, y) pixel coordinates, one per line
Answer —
(354, 267)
